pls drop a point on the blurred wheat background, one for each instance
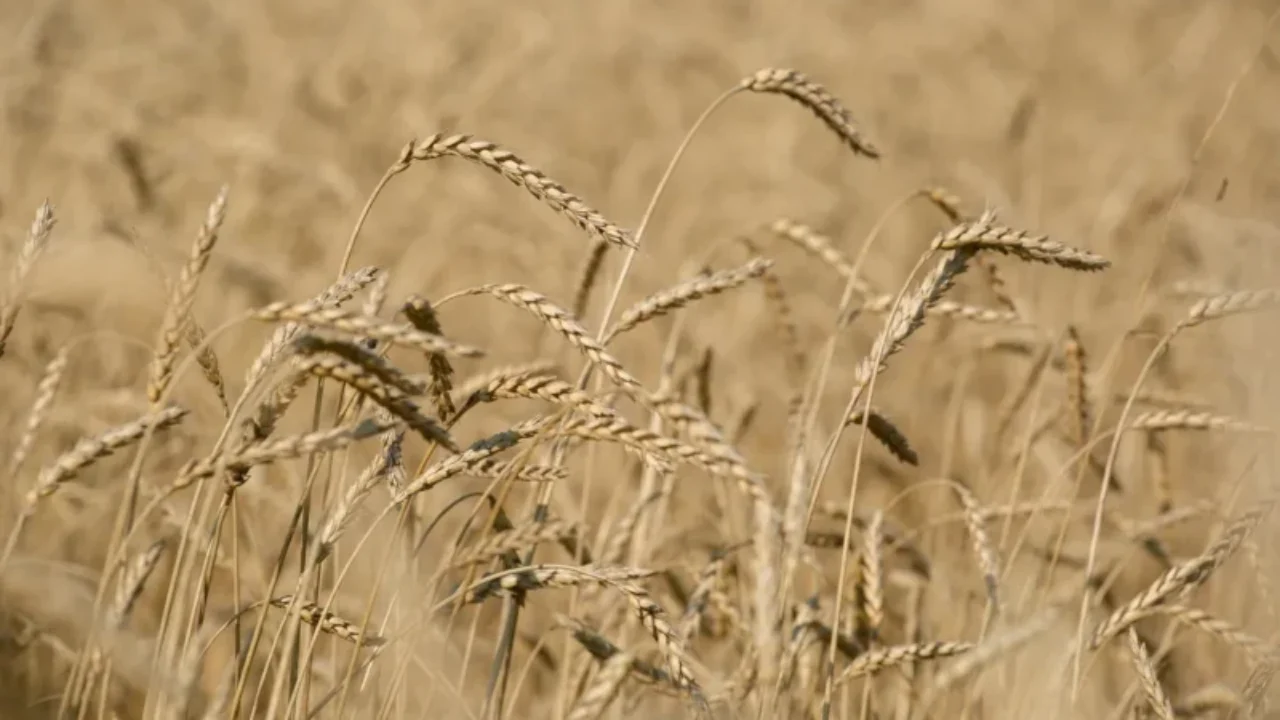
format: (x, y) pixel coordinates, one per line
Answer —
(1146, 132)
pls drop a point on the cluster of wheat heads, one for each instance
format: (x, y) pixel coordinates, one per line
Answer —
(390, 592)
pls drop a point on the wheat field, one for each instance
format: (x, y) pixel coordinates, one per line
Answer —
(865, 360)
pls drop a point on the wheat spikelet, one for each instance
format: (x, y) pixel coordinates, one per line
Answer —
(567, 326)
(645, 441)
(328, 622)
(623, 532)
(207, 361)
(587, 277)
(1228, 304)
(381, 467)
(822, 247)
(982, 547)
(286, 448)
(550, 577)
(132, 579)
(422, 316)
(883, 429)
(1256, 686)
(46, 390)
(597, 697)
(334, 318)
(991, 649)
(947, 202)
(1181, 578)
(1077, 391)
(1156, 695)
(1157, 420)
(478, 452)
(986, 235)
(948, 308)
(177, 315)
(522, 174)
(528, 473)
(801, 89)
(888, 657)
(32, 248)
(1206, 700)
(871, 565)
(385, 372)
(389, 397)
(679, 296)
(1204, 621)
(708, 578)
(333, 296)
(602, 649)
(909, 317)
(92, 449)
(472, 390)
(517, 539)
(541, 387)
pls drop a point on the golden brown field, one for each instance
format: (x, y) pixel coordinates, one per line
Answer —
(975, 429)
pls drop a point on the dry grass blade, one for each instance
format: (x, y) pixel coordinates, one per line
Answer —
(90, 450)
(333, 318)
(677, 297)
(821, 246)
(880, 659)
(328, 622)
(1155, 693)
(800, 88)
(422, 316)
(177, 314)
(45, 393)
(986, 235)
(389, 397)
(32, 248)
(883, 429)
(522, 174)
